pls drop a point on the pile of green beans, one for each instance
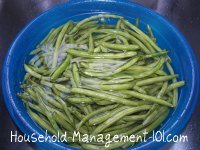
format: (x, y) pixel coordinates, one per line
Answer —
(95, 77)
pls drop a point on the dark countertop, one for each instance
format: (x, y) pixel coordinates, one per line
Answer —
(15, 14)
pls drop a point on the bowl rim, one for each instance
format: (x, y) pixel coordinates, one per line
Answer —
(196, 78)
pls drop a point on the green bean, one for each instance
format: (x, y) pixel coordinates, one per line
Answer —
(175, 85)
(175, 91)
(105, 96)
(35, 107)
(145, 45)
(86, 35)
(42, 123)
(118, 116)
(76, 74)
(101, 55)
(101, 118)
(89, 73)
(91, 43)
(148, 98)
(53, 34)
(132, 38)
(54, 90)
(62, 122)
(47, 97)
(154, 115)
(58, 43)
(62, 79)
(79, 100)
(155, 54)
(163, 90)
(61, 68)
(109, 37)
(150, 33)
(66, 109)
(120, 47)
(135, 117)
(35, 74)
(139, 89)
(155, 80)
(103, 102)
(90, 109)
(98, 37)
(88, 24)
(95, 113)
(76, 113)
(118, 24)
(125, 66)
(142, 34)
(115, 87)
(92, 18)
(60, 87)
(150, 72)
(116, 81)
(139, 68)
(123, 39)
(48, 114)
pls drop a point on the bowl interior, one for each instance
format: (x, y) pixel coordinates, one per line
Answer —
(167, 38)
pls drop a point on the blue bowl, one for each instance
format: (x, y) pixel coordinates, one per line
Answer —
(184, 61)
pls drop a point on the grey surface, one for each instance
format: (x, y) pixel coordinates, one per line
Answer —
(15, 14)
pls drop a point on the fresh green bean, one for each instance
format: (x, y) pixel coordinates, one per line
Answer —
(58, 43)
(134, 117)
(148, 98)
(175, 91)
(127, 65)
(95, 113)
(155, 80)
(175, 85)
(42, 123)
(101, 55)
(142, 34)
(79, 100)
(91, 43)
(93, 18)
(115, 87)
(105, 96)
(132, 38)
(62, 122)
(60, 87)
(120, 47)
(76, 74)
(118, 116)
(61, 68)
(101, 118)
(150, 72)
(116, 81)
(35, 74)
(139, 89)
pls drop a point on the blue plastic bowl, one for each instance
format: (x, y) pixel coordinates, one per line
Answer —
(184, 61)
